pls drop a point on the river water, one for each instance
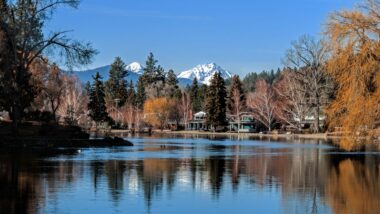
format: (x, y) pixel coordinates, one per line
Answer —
(191, 174)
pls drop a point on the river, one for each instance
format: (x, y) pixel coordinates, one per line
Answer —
(191, 174)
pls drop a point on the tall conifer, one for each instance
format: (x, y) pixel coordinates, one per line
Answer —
(216, 102)
(140, 93)
(236, 97)
(116, 85)
(194, 96)
(131, 100)
(97, 104)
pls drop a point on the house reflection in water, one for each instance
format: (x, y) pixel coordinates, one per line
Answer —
(308, 180)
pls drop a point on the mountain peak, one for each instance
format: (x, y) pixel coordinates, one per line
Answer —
(204, 73)
(135, 67)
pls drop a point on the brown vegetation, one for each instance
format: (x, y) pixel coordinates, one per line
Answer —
(355, 67)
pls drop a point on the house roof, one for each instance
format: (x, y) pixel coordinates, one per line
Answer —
(200, 114)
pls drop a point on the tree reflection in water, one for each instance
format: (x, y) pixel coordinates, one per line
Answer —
(309, 180)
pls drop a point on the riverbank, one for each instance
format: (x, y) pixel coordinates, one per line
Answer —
(322, 136)
(53, 136)
(335, 139)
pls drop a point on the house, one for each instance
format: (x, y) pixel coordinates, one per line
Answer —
(245, 123)
(4, 115)
(309, 120)
(198, 122)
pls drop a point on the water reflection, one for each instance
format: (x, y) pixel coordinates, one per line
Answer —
(220, 175)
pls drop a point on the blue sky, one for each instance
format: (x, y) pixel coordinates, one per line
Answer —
(240, 35)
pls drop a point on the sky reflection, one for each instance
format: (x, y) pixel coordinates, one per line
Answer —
(181, 176)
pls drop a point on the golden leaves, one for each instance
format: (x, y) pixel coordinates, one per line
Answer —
(355, 67)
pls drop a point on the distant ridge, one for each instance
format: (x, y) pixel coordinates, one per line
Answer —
(203, 73)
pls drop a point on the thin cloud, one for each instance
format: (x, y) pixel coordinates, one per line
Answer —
(146, 14)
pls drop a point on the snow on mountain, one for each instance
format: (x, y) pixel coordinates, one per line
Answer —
(203, 73)
(134, 69)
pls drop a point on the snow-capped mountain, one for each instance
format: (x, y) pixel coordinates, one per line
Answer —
(203, 73)
(134, 69)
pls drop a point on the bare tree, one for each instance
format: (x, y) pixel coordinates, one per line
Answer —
(263, 104)
(129, 115)
(139, 119)
(74, 101)
(236, 100)
(185, 108)
(292, 100)
(54, 86)
(309, 56)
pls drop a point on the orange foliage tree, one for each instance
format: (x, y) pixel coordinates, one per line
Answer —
(157, 111)
(354, 37)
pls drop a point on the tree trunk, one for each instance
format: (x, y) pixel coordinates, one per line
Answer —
(15, 118)
(317, 129)
(316, 123)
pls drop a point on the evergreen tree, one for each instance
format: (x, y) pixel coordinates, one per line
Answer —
(171, 85)
(236, 98)
(216, 102)
(159, 75)
(152, 72)
(87, 88)
(171, 78)
(194, 96)
(97, 104)
(202, 95)
(250, 79)
(177, 95)
(140, 93)
(153, 78)
(131, 94)
(116, 85)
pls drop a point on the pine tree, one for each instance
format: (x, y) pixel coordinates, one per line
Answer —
(152, 72)
(131, 100)
(194, 96)
(116, 86)
(171, 85)
(171, 78)
(153, 78)
(149, 70)
(87, 88)
(216, 102)
(177, 95)
(236, 99)
(97, 104)
(140, 93)
(159, 74)
(202, 95)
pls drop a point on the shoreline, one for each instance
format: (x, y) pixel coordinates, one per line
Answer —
(322, 136)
